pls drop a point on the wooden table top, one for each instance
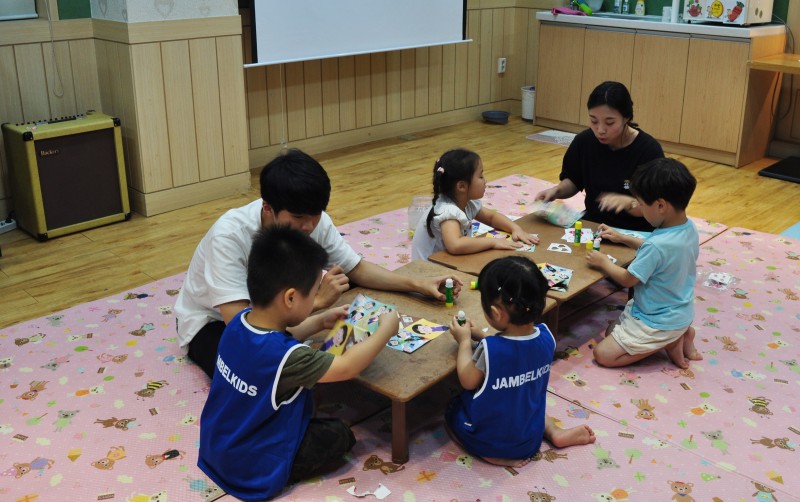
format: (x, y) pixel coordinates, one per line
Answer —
(402, 376)
(583, 276)
(787, 63)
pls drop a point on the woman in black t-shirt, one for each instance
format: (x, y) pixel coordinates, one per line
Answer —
(601, 160)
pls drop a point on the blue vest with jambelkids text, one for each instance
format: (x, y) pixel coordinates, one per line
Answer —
(505, 417)
(248, 441)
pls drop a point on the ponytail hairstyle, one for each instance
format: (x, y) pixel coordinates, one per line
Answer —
(515, 283)
(616, 96)
(454, 166)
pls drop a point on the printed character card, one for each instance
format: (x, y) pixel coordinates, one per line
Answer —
(586, 235)
(557, 277)
(414, 332)
(361, 322)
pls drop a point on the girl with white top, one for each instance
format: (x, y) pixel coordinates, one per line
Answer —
(458, 186)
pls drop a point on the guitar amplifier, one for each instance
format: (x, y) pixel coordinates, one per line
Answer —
(67, 174)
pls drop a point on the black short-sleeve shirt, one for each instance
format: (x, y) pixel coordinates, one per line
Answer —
(596, 168)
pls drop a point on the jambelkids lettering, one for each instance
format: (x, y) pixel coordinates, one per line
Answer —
(234, 380)
(521, 379)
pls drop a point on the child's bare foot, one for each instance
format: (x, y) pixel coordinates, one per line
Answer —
(507, 462)
(675, 353)
(582, 434)
(689, 350)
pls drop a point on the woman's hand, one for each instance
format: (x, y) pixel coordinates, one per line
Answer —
(615, 202)
(548, 195)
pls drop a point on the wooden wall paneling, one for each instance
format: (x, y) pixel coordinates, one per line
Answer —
(230, 69)
(103, 78)
(207, 114)
(498, 51)
(148, 84)
(378, 77)
(421, 75)
(126, 112)
(83, 59)
(347, 93)
(330, 95)
(257, 105)
(10, 111)
(531, 47)
(312, 78)
(486, 65)
(408, 80)
(448, 77)
(276, 98)
(393, 86)
(178, 96)
(363, 91)
(295, 101)
(59, 79)
(474, 58)
(460, 75)
(518, 58)
(32, 81)
(435, 79)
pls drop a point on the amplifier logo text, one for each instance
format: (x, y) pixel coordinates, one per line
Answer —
(47, 153)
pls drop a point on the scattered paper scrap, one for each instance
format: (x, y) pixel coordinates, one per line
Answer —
(559, 248)
(381, 492)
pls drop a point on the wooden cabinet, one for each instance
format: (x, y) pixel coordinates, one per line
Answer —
(713, 100)
(607, 55)
(692, 92)
(558, 86)
(657, 84)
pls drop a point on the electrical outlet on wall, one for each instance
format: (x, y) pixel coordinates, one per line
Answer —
(501, 65)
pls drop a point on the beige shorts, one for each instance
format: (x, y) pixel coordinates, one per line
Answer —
(636, 337)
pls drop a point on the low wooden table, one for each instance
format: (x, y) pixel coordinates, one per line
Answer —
(583, 276)
(401, 376)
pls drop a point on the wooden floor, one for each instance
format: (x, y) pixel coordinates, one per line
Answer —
(37, 279)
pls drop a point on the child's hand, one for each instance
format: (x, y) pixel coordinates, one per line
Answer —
(596, 259)
(331, 316)
(608, 233)
(520, 235)
(459, 332)
(477, 334)
(391, 321)
(334, 283)
(505, 244)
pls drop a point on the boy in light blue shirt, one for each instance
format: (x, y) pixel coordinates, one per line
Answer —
(662, 309)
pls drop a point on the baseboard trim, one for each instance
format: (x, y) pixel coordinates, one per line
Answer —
(149, 204)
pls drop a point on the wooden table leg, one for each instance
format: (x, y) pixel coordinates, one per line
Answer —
(399, 433)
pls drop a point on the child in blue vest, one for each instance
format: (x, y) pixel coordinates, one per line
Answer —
(257, 431)
(664, 272)
(500, 415)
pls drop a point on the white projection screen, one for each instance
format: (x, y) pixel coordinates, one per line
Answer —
(299, 30)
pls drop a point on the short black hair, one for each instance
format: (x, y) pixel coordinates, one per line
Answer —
(281, 258)
(294, 181)
(664, 178)
(614, 95)
(516, 283)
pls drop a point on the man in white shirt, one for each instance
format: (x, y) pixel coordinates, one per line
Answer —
(295, 191)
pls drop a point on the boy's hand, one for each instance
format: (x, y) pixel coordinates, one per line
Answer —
(334, 283)
(608, 233)
(596, 259)
(332, 316)
(390, 320)
(459, 332)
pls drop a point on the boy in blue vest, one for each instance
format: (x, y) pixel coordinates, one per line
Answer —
(664, 271)
(500, 415)
(257, 431)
